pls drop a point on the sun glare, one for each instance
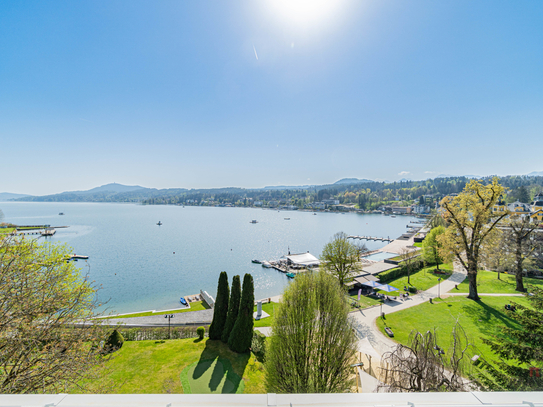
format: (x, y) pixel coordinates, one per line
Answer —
(304, 12)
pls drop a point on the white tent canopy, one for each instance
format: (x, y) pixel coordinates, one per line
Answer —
(303, 259)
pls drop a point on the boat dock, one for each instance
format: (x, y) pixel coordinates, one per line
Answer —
(374, 238)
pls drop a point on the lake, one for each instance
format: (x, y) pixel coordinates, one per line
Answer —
(142, 266)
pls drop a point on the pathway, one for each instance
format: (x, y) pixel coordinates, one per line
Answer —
(365, 319)
(203, 317)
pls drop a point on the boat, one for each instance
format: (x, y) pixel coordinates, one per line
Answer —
(78, 256)
(48, 232)
(291, 275)
(393, 216)
(183, 301)
(266, 264)
(61, 213)
(256, 261)
(159, 223)
(314, 213)
(287, 218)
(253, 221)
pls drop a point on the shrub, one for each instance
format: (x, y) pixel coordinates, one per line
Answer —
(412, 290)
(258, 345)
(201, 332)
(393, 274)
(114, 342)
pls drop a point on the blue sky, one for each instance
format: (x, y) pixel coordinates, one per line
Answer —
(250, 93)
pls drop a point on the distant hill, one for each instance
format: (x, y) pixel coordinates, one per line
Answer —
(114, 187)
(6, 196)
(105, 193)
(352, 181)
(536, 174)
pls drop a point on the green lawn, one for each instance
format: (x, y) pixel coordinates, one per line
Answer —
(194, 306)
(422, 279)
(162, 366)
(478, 318)
(418, 244)
(366, 301)
(6, 230)
(487, 282)
(269, 308)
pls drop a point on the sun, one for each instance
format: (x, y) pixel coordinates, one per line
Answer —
(304, 12)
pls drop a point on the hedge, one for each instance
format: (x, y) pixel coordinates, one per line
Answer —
(158, 333)
(388, 276)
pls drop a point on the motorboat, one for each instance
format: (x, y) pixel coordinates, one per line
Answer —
(61, 213)
(291, 275)
(287, 218)
(253, 221)
(159, 223)
(183, 301)
(256, 261)
(266, 264)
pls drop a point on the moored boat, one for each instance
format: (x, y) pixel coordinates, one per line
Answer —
(291, 275)
(266, 264)
(183, 301)
(256, 261)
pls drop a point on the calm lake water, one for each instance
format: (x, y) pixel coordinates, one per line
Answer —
(142, 266)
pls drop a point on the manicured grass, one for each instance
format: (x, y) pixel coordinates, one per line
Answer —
(422, 279)
(418, 244)
(6, 230)
(478, 318)
(269, 308)
(194, 306)
(157, 367)
(487, 282)
(366, 301)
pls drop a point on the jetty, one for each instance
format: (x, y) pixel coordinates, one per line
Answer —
(374, 238)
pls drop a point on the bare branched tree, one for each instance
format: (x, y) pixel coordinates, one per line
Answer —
(424, 366)
(47, 340)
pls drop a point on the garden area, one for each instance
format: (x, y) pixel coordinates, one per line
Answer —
(480, 319)
(180, 366)
(268, 308)
(487, 282)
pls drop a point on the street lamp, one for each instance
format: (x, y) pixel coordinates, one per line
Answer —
(170, 316)
(439, 287)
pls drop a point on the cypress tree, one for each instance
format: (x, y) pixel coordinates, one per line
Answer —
(242, 332)
(233, 308)
(221, 308)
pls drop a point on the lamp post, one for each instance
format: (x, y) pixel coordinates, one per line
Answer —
(439, 287)
(169, 316)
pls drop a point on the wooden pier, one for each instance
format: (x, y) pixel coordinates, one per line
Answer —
(374, 238)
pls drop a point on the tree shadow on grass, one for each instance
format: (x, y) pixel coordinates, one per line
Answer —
(228, 363)
(493, 318)
(208, 355)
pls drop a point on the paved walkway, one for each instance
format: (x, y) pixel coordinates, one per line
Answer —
(365, 319)
(485, 294)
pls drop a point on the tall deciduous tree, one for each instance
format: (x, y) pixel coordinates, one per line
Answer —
(220, 310)
(471, 219)
(340, 257)
(242, 332)
(520, 350)
(47, 339)
(312, 341)
(233, 309)
(431, 247)
(520, 238)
